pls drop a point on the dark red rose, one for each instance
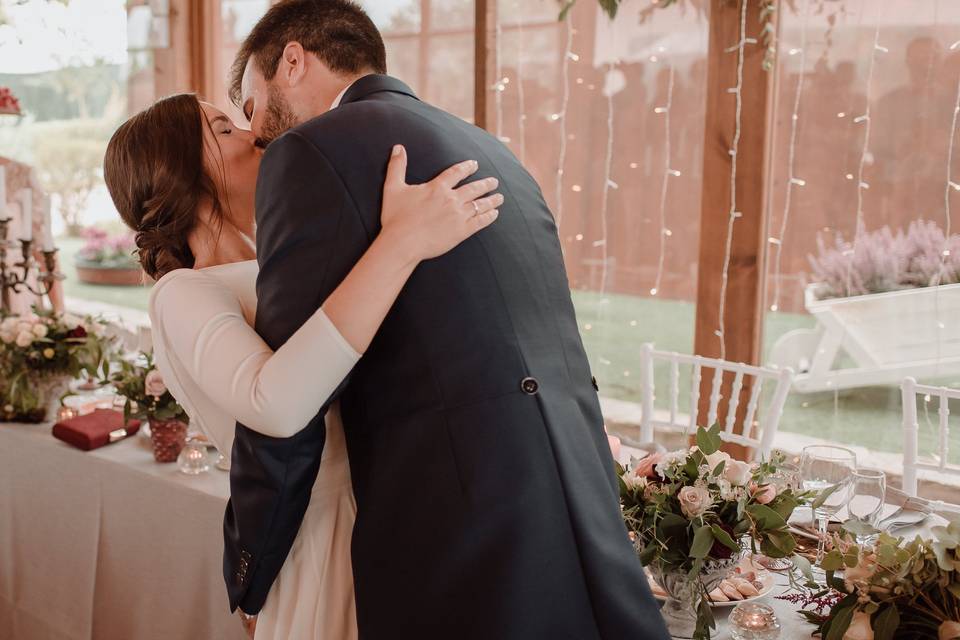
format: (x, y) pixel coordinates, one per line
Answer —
(719, 550)
(77, 332)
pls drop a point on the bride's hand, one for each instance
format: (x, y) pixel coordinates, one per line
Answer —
(427, 220)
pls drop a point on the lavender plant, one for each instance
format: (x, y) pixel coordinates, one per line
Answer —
(882, 260)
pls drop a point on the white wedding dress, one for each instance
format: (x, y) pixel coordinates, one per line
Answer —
(221, 371)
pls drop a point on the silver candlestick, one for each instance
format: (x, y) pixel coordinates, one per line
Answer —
(16, 277)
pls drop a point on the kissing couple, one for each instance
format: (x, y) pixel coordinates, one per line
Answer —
(363, 299)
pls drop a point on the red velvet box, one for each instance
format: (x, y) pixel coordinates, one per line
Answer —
(95, 430)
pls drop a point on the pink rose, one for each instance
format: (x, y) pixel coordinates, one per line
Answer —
(949, 630)
(694, 501)
(764, 494)
(614, 443)
(646, 468)
(860, 628)
(154, 385)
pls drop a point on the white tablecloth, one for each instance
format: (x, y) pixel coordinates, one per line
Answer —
(108, 544)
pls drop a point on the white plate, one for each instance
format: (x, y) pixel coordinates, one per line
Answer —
(765, 577)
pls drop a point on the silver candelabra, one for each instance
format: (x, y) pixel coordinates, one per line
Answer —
(16, 277)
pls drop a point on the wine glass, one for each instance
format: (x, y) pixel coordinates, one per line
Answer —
(866, 500)
(826, 467)
(787, 476)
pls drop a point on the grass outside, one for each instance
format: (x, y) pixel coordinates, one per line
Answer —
(613, 332)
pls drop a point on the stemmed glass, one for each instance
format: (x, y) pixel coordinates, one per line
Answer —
(866, 500)
(825, 467)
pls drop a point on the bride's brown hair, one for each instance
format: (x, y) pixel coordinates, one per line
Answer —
(154, 171)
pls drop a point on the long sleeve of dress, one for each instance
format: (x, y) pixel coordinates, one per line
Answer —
(273, 393)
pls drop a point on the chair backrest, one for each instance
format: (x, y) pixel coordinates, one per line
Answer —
(756, 434)
(911, 432)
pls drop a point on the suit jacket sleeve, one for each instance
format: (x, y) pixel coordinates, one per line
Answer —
(308, 237)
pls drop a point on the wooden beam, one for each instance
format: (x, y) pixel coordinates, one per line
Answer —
(481, 53)
(743, 315)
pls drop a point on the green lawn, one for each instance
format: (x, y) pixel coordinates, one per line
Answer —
(613, 332)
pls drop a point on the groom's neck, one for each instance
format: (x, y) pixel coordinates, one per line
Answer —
(331, 87)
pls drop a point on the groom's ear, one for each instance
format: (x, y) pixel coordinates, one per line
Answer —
(293, 64)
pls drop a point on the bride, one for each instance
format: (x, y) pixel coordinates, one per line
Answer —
(183, 177)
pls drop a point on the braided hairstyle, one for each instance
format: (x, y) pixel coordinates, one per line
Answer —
(155, 174)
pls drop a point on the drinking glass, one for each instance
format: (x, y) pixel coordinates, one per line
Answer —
(824, 467)
(866, 500)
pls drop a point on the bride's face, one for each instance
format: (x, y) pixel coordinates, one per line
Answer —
(232, 158)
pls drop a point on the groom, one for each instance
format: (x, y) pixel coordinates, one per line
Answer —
(487, 503)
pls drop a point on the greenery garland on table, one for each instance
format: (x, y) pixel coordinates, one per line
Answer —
(891, 590)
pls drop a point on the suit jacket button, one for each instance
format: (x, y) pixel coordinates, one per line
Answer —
(530, 386)
(593, 380)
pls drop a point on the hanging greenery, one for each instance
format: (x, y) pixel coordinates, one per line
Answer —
(768, 17)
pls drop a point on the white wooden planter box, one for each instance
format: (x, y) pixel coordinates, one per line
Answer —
(888, 336)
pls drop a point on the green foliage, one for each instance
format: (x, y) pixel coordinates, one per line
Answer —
(694, 506)
(40, 348)
(135, 381)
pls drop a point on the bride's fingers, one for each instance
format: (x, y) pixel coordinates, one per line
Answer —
(481, 221)
(484, 204)
(455, 174)
(397, 167)
(477, 188)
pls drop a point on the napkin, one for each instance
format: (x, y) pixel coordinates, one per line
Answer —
(94, 430)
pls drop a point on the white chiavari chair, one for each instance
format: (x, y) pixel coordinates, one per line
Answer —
(939, 461)
(757, 433)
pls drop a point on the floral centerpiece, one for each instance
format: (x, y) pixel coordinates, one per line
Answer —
(147, 398)
(108, 259)
(42, 351)
(895, 589)
(694, 513)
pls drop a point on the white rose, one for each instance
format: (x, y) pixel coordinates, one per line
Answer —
(9, 325)
(694, 501)
(7, 337)
(24, 327)
(716, 458)
(633, 481)
(40, 330)
(737, 473)
(859, 628)
(24, 339)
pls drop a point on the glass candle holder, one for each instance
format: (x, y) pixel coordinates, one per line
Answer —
(754, 621)
(193, 459)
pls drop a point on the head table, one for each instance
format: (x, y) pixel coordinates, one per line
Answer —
(108, 544)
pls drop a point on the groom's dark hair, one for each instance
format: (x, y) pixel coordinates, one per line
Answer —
(338, 32)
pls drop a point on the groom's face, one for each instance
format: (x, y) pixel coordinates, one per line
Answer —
(264, 105)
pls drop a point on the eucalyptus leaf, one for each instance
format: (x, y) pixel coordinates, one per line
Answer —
(702, 542)
(724, 538)
(886, 622)
(841, 620)
(822, 496)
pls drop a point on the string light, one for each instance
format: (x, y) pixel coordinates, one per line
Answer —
(667, 173)
(792, 180)
(608, 183)
(865, 147)
(564, 103)
(733, 215)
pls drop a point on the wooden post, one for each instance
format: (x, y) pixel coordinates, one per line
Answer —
(743, 315)
(481, 80)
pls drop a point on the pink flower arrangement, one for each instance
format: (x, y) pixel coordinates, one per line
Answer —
(9, 104)
(104, 250)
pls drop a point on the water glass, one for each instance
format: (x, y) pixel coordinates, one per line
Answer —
(866, 501)
(826, 467)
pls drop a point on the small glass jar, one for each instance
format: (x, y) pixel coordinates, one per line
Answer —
(194, 459)
(754, 621)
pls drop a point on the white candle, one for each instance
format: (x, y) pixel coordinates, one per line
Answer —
(26, 214)
(47, 226)
(3, 191)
